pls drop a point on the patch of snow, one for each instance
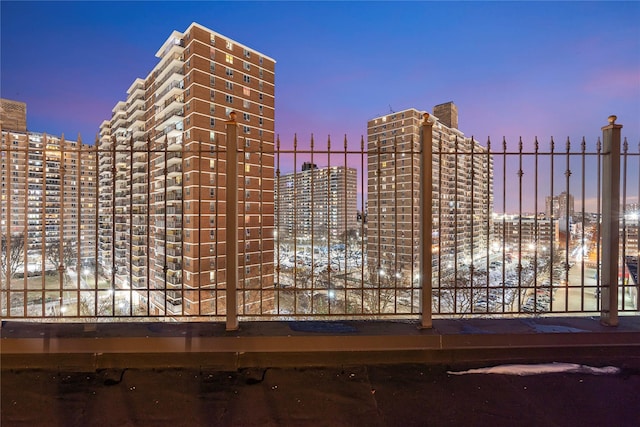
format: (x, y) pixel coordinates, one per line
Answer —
(541, 368)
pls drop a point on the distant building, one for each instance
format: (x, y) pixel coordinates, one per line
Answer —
(526, 234)
(13, 115)
(48, 192)
(462, 173)
(316, 203)
(163, 178)
(561, 206)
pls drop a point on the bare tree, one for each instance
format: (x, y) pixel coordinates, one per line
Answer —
(11, 255)
(67, 257)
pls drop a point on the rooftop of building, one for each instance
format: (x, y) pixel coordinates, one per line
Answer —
(323, 373)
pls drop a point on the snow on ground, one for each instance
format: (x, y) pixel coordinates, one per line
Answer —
(541, 368)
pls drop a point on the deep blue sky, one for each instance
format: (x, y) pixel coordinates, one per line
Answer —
(513, 68)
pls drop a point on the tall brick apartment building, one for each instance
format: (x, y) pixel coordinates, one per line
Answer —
(163, 180)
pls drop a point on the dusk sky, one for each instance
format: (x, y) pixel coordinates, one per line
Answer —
(512, 68)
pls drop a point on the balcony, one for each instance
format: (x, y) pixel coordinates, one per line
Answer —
(359, 290)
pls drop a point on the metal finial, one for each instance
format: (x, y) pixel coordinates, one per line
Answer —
(612, 119)
(426, 117)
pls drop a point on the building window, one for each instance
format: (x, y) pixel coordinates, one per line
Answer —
(212, 122)
(246, 117)
(246, 91)
(212, 164)
(229, 85)
(229, 99)
(246, 66)
(229, 72)
(245, 103)
(213, 40)
(260, 121)
(247, 54)
(212, 207)
(260, 109)
(212, 192)
(212, 94)
(229, 45)
(212, 66)
(246, 78)
(260, 97)
(260, 60)
(229, 59)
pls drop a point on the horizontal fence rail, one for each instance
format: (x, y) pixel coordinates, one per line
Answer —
(125, 231)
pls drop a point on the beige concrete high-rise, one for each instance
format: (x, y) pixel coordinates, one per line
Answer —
(316, 203)
(163, 178)
(462, 173)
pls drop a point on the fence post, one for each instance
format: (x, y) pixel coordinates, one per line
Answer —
(426, 220)
(610, 222)
(232, 222)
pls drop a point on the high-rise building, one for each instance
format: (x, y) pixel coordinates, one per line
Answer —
(558, 206)
(462, 195)
(316, 203)
(48, 194)
(163, 178)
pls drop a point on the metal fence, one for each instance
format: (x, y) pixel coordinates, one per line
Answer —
(134, 230)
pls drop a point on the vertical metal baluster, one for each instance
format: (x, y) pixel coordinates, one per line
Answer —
(130, 225)
(395, 227)
(61, 235)
(520, 175)
(148, 224)
(79, 185)
(456, 201)
(345, 217)
(261, 234)
(551, 237)
(10, 222)
(623, 246)
(599, 225)
(363, 220)
(312, 191)
(416, 251)
(295, 223)
(278, 207)
(329, 222)
(583, 146)
(425, 161)
(25, 248)
(567, 175)
(113, 225)
(537, 231)
(504, 208)
(489, 209)
(472, 209)
(96, 295)
(201, 252)
(232, 222)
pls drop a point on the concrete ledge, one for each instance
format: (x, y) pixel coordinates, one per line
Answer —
(112, 345)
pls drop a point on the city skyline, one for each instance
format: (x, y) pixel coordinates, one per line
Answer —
(516, 69)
